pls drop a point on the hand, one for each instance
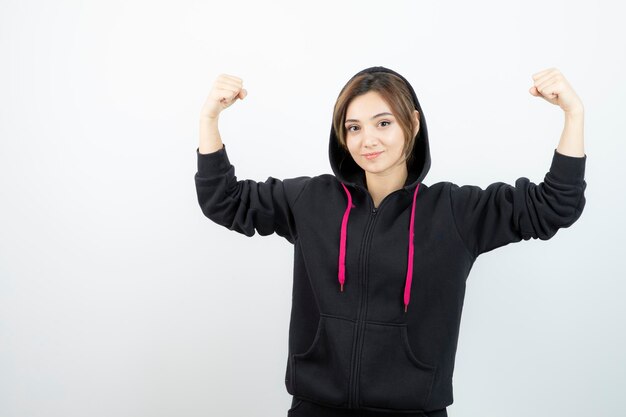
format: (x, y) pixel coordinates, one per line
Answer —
(226, 90)
(552, 86)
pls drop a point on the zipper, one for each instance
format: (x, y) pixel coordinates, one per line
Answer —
(371, 200)
(353, 398)
(356, 348)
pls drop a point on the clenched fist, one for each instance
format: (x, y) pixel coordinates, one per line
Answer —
(226, 90)
(552, 86)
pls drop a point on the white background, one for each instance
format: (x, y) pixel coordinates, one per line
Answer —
(119, 298)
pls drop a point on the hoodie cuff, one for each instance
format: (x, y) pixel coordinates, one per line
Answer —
(212, 164)
(568, 169)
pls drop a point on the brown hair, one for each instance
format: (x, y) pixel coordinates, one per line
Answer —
(395, 93)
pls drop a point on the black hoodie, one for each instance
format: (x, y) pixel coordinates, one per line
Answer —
(378, 292)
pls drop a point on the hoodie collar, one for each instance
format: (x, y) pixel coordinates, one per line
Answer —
(349, 173)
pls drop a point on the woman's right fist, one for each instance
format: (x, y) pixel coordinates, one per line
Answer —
(226, 90)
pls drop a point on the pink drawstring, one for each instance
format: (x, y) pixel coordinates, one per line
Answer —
(342, 246)
(342, 243)
(409, 271)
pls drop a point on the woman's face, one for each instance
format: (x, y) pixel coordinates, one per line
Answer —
(371, 128)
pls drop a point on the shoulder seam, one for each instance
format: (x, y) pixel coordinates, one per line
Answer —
(301, 191)
(456, 227)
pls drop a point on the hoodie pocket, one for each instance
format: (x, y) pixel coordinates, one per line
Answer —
(323, 371)
(391, 376)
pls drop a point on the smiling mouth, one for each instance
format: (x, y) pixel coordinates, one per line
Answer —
(372, 155)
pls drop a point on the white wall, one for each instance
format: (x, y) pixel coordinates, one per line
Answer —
(119, 298)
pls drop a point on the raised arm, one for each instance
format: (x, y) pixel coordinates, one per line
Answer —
(503, 213)
(552, 86)
(225, 91)
(240, 205)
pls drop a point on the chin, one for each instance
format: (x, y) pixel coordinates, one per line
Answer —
(374, 170)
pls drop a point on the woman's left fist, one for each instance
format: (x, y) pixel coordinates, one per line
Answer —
(551, 85)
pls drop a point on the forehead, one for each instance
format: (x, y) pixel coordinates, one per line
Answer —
(367, 104)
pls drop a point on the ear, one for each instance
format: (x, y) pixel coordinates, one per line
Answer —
(416, 116)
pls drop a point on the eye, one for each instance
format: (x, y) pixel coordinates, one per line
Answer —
(351, 126)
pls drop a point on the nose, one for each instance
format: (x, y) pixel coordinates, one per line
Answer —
(370, 138)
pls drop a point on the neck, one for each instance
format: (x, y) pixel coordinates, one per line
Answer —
(381, 185)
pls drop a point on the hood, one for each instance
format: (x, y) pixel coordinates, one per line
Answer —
(349, 173)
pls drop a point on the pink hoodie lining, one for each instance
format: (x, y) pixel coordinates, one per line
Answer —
(342, 246)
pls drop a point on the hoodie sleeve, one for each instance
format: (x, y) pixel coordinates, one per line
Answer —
(246, 205)
(503, 214)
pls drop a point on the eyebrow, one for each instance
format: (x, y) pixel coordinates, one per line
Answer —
(373, 117)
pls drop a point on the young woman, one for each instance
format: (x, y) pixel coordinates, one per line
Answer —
(380, 258)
